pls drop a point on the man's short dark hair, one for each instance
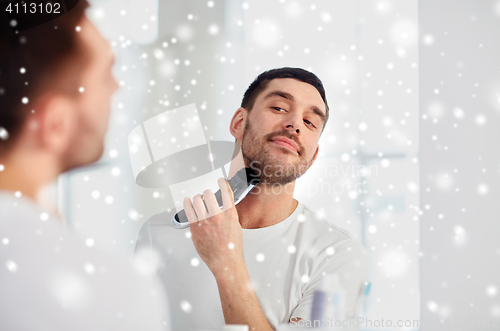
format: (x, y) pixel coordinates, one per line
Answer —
(45, 58)
(260, 83)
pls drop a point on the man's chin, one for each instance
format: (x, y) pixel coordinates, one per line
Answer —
(81, 160)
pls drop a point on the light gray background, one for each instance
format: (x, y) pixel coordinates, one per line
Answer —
(460, 264)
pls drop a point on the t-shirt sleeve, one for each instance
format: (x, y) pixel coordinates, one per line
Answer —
(349, 263)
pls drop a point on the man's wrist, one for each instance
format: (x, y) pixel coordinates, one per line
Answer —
(231, 271)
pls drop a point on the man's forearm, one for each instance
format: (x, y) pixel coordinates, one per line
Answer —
(239, 301)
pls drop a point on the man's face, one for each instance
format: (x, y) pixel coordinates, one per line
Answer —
(282, 130)
(93, 104)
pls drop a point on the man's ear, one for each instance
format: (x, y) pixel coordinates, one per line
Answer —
(55, 122)
(237, 125)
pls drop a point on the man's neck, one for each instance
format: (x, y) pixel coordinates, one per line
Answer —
(266, 205)
(27, 173)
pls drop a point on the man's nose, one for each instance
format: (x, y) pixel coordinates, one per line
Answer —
(293, 122)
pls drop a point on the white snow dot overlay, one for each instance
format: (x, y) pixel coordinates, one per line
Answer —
(195, 262)
(432, 306)
(4, 135)
(260, 257)
(186, 306)
(491, 290)
(213, 29)
(134, 215)
(89, 242)
(482, 189)
(11, 266)
(89, 268)
(428, 40)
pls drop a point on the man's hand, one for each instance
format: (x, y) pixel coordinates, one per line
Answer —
(218, 238)
(216, 232)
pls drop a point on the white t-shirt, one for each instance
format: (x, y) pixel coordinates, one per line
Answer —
(50, 280)
(285, 262)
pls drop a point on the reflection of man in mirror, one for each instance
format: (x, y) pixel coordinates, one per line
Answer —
(55, 90)
(262, 260)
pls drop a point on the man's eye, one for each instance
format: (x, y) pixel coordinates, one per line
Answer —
(309, 123)
(279, 109)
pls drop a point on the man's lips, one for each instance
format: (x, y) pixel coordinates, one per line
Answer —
(287, 143)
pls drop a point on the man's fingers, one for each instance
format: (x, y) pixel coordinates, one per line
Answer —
(189, 210)
(211, 203)
(227, 193)
(199, 207)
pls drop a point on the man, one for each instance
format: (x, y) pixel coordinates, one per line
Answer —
(55, 90)
(264, 258)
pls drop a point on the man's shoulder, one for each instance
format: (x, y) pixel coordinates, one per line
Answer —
(33, 234)
(43, 259)
(322, 224)
(35, 239)
(324, 230)
(22, 219)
